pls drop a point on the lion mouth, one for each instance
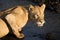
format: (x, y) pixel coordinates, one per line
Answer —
(40, 23)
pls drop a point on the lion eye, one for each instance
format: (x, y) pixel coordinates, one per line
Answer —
(36, 16)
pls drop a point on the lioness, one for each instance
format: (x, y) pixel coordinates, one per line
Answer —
(19, 17)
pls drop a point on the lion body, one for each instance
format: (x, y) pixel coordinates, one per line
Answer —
(3, 28)
(17, 19)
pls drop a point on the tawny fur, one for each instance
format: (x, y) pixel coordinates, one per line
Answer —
(38, 13)
(19, 17)
(3, 29)
(6, 11)
(17, 20)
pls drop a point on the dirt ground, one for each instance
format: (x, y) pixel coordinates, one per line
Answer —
(31, 30)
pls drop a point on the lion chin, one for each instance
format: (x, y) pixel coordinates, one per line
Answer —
(39, 24)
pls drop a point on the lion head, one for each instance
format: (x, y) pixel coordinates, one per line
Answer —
(37, 14)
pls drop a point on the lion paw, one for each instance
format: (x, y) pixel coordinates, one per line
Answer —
(21, 36)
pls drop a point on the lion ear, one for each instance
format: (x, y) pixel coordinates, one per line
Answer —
(42, 8)
(31, 7)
